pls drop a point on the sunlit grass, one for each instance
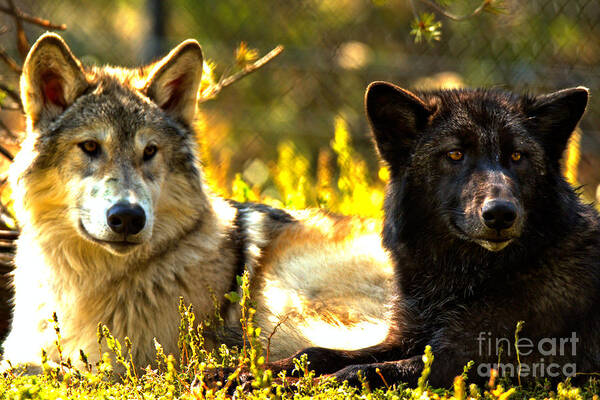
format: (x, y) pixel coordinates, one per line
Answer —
(188, 376)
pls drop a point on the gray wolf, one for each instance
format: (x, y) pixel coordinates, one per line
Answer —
(117, 223)
(484, 233)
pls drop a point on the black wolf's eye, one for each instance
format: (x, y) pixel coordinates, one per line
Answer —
(149, 152)
(455, 155)
(516, 156)
(90, 147)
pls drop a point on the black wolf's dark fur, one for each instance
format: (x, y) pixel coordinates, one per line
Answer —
(460, 276)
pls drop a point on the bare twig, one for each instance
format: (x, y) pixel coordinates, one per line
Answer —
(6, 153)
(9, 108)
(213, 90)
(12, 64)
(22, 42)
(447, 14)
(279, 323)
(44, 23)
(12, 94)
(252, 67)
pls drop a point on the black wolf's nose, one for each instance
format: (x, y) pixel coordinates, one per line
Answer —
(126, 218)
(499, 214)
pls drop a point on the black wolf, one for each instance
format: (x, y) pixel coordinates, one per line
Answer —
(484, 232)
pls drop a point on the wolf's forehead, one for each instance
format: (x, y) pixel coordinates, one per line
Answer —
(108, 133)
(111, 112)
(486, 124)
(117, 102)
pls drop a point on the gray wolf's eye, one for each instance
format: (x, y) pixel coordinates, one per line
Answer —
(90, 147)
(516, 156)
(149, 152)
(455, 155)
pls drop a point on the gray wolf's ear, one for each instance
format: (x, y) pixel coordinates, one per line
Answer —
(175, 80)
(52, 79)
(553, 118)
(396, 116)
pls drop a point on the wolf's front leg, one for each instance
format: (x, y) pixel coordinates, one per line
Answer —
(327, 361)
(383, 373)
(447, 365)
(320, 360)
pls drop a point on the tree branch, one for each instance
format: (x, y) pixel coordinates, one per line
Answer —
(12, 94)
(44, 23)
(6, 153)
(213, 90)
(12, 64)
(22, 42)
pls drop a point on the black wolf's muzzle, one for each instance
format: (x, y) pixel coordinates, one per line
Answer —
(499, 214)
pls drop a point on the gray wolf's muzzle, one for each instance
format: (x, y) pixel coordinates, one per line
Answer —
(126, 218)
(115, 217)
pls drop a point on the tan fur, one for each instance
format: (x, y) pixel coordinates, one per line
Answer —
(324, 283)
(325, 278)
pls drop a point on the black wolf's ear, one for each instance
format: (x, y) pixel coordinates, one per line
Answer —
(396, 116)
(52, 79)
(174, 81)
(553, 117)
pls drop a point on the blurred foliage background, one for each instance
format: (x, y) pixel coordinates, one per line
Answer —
(294, 132)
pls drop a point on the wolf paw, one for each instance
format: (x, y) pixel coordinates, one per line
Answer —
(351, 374)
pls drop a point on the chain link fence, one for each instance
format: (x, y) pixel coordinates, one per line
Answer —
(334, 48)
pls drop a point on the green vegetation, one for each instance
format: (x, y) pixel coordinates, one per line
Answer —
(342, 183)
(190, 375)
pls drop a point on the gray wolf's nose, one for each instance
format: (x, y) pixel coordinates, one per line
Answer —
(126, 218)
(499, 214)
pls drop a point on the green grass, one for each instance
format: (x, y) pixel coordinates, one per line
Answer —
(174, 383)
(171, 378)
